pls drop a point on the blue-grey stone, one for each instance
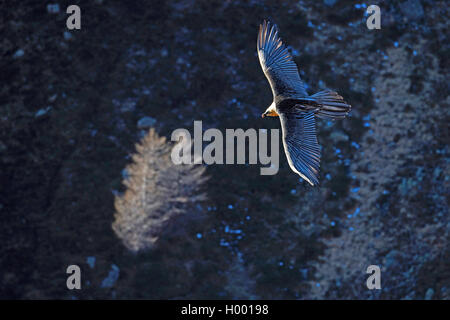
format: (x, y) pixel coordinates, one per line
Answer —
(112, 277)
(330, 2)
(67, 35)
(146, 123)
(429, 294)
(42, 112)
(19, 53)
(53, 8)
(91, 262)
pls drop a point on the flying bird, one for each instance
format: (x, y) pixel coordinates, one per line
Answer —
(291, 103)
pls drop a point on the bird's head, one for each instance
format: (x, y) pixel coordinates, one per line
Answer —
(270, 111)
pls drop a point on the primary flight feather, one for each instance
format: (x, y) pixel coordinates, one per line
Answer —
(296, 109)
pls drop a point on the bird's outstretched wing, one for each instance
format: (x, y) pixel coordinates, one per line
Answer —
(277, 63)
(300, 144)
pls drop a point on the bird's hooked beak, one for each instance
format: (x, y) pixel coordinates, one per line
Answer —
(270, 111)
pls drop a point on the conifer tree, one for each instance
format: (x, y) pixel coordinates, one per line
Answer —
(157, 190)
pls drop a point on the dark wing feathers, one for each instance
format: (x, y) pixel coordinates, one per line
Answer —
(277, 63)
(300, 144)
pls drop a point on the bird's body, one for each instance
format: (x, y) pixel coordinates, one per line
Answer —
(292, 104)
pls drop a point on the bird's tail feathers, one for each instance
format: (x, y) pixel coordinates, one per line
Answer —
(331, 105)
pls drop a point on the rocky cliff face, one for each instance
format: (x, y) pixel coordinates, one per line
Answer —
(74, 103)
